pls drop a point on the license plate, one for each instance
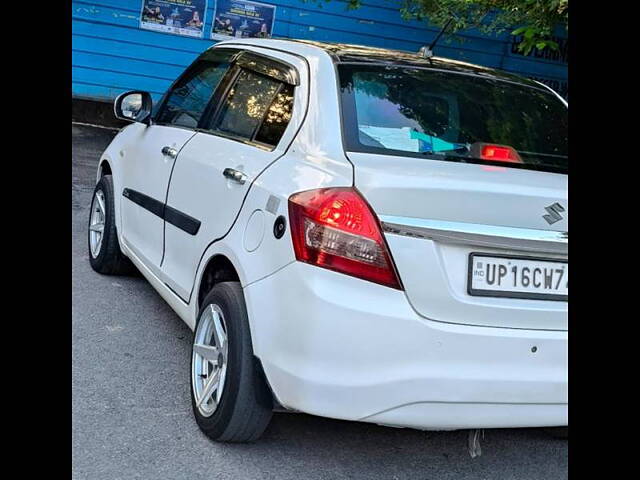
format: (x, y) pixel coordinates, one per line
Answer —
(518, 277)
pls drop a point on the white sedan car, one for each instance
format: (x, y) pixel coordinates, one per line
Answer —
(351, 232)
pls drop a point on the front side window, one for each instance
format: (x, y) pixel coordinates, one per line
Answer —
(256, 109)
(418, 112)
(189, 97)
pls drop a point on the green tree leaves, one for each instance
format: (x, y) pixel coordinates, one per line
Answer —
(535, 20)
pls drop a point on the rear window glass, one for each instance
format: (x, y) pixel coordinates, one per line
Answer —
(258, 108)
(246, 103)
(277, 117)
(448, 116)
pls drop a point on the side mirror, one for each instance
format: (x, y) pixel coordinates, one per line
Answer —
(133, 107)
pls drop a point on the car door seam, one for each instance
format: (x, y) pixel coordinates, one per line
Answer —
(166, 198)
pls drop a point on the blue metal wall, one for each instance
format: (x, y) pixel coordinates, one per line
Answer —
(111, 54)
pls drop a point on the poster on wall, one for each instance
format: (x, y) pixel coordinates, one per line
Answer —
(181, 17)
(242, 19)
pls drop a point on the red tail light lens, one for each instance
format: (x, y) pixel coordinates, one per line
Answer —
(499, 153)
(335, 228)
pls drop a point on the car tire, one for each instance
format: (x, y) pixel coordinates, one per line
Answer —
(105, 255)
(241, 406)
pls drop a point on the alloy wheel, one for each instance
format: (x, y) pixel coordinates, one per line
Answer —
(96, 224)
(209, 363)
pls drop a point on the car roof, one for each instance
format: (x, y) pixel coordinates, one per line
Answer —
(351, 53)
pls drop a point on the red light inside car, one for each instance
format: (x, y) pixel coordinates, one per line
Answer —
(335, 228)
(499, 153)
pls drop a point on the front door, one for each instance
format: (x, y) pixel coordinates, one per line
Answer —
(146, 167)
(148, 158)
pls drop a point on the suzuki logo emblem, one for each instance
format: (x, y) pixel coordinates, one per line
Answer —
(553, 213)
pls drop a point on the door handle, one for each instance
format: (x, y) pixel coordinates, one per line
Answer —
(170, 152)
(235, 175)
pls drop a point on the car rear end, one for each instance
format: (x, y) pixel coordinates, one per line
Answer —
(431, 293)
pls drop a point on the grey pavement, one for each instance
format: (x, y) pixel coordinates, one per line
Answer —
(131, 412)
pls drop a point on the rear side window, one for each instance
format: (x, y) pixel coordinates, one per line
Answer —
(256, 109)
(447, 116)
(187, 100)
(277, 117)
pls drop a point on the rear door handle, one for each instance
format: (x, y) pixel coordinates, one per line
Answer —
(235, 175)
(170, 152)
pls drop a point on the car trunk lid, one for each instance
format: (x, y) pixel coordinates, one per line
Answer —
(437, 213)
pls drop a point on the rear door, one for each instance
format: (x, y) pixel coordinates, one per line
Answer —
(252, 121)
(149, 156)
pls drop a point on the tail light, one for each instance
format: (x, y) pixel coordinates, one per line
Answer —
(498, 153)
(335, 228)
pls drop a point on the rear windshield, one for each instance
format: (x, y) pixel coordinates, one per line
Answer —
(424, 113)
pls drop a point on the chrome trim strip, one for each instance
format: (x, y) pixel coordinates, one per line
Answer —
(510, 238)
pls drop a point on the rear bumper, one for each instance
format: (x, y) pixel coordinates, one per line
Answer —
(339, 347)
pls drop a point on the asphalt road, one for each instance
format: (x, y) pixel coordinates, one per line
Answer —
(131, 412)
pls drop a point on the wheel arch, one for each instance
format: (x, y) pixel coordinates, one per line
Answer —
(104, 168)
(107, 166)
(223, 266)
(219, 268)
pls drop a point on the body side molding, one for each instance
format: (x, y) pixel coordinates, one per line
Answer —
(181, 220)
